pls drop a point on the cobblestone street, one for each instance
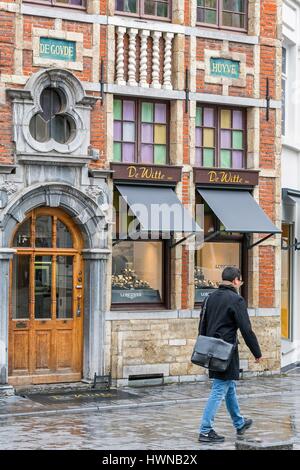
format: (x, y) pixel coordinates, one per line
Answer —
(158, 418)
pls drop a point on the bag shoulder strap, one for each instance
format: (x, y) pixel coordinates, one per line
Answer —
(202, 314)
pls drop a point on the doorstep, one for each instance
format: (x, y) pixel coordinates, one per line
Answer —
(6, 391)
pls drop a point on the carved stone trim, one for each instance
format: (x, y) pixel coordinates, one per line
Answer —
(9, 187)
(26, 103)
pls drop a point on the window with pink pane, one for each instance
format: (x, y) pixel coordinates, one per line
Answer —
(220, 139)
(232, 139)
(205, 136)
(124, 130)
(153, 133)
(140, 131)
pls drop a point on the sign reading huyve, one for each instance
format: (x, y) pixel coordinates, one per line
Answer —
(224, 177)
(139, 172)
(58, 49)
(224, 67)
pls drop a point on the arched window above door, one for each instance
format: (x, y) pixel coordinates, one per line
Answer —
(43, 231)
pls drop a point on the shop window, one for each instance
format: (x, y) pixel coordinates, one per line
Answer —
(147, 8)
(210, 261)
(140, 131)
(286, 280)
(137, 273)
(52, 122)
(227, 14)
(220, 250)
(81, 4)
(220, 137)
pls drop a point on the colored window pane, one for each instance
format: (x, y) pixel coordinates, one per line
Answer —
(198, 157)
(160, 154)
(225, 159)
(237, 120)
(118, 109)
(147, 112)
(198, 137)
(162, 9)
(129, 110)
(147, 153)
(160, 134)
(200, 15)
(117, 130)
(208, 118)
(210, 16)
(237, 139)
(225, 119)
(198, 116)
(208, 137)
(117, 152)
(128, 153)
(160, 113)
(128, 132)
(237, 159)
(208, 157)
(226, 139)
(129, 6)
(147, 133)
(234, 5)
(233, 20)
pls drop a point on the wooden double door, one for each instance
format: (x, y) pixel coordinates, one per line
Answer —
(46, 308)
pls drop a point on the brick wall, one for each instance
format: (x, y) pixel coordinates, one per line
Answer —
(178, 355)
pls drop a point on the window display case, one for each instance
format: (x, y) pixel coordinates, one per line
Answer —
(137, 273)
(210, 261)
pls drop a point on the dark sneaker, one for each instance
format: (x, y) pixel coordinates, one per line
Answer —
(246, 425)
(212, 436)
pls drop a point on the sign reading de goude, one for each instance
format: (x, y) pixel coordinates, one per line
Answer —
(57, 49)
(224, 67)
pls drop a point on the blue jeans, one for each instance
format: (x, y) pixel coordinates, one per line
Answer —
(221, 389)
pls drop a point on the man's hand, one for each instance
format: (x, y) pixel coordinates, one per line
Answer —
(258, 359)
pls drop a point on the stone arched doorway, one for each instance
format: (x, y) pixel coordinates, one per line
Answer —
(84, 217)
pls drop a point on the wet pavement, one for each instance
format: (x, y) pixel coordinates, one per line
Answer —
(156, 418)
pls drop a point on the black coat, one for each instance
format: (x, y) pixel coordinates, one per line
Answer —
(226, 312)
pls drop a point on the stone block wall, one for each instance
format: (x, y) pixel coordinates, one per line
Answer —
(165, 346)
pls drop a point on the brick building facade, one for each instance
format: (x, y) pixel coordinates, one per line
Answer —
(185, 96)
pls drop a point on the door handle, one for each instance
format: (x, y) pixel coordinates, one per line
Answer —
(78, 311)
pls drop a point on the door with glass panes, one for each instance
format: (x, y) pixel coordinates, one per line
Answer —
(46, 313)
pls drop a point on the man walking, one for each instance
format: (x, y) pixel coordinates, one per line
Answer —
(225, 313)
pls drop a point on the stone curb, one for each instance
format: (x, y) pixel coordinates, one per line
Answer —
(120, 406)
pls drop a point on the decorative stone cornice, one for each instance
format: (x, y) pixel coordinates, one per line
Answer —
(6, 169)
(9, 187)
